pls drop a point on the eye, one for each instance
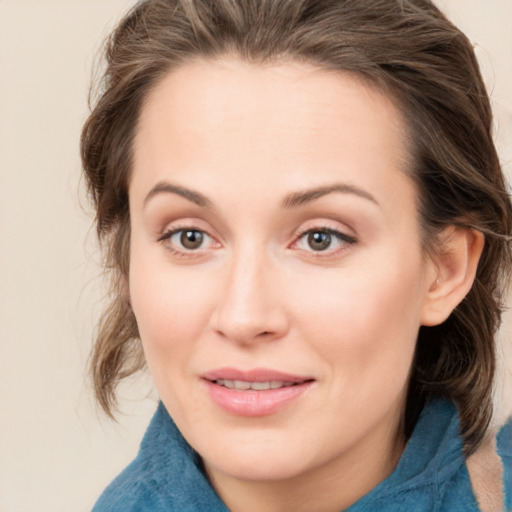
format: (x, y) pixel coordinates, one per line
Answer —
(323, 240)
(190, 238)
(319, 240)
(185, 240)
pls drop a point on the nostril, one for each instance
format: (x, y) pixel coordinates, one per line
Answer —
(266, 334)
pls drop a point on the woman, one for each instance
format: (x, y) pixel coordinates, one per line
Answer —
(308, 229)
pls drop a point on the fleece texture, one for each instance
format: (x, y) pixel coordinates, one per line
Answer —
(431, 476)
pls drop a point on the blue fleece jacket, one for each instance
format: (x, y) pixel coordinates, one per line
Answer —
(431, 475)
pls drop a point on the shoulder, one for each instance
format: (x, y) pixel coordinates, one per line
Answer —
(490, 470)
(139, 487)
(432, 475)
(166, 476)
(132, 491)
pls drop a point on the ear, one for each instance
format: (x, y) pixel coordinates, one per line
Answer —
(452, 274)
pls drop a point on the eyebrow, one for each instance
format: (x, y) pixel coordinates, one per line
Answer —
(164, 187)
(306, 196)
(290, 201)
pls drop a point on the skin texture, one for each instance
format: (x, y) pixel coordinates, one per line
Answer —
(255, 294)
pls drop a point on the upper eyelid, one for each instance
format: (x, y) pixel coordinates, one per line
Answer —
(168, 233)
(334, 232)
(327, 227)
(183, 224)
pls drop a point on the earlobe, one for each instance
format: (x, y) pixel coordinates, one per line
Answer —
(454, 267)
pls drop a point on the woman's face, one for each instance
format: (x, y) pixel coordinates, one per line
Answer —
(276, 267)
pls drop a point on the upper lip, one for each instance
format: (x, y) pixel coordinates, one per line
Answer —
(253, 375)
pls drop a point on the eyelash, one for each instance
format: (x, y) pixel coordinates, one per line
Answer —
(341, 237)
(167, 236)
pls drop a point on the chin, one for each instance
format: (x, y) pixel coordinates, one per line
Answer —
(261, 458)
(244, 467)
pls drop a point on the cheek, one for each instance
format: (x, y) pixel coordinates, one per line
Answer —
(366, 321)
(171, 308)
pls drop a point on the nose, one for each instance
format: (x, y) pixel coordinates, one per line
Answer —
(249, 307)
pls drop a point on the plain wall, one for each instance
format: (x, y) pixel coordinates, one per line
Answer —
(56, 451)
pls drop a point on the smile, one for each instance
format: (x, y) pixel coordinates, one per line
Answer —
(257, 392)
(242, 385)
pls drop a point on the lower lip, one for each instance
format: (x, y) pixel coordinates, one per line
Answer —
(255, 403)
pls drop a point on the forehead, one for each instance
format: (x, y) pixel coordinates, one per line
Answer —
(231, 120)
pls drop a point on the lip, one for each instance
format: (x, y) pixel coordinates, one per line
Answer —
(252, 402)
(254, 375)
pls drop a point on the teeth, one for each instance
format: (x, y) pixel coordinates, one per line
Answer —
(242, 385)
(260, 386)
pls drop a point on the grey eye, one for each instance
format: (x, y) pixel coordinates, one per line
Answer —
(191, 238)
(319, 240)
(324, 240)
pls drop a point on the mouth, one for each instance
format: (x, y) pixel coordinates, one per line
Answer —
(257, 392)
(243, 385)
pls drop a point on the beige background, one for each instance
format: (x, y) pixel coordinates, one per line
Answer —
(56, 452)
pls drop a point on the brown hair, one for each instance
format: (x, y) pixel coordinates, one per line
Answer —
(406, 47)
